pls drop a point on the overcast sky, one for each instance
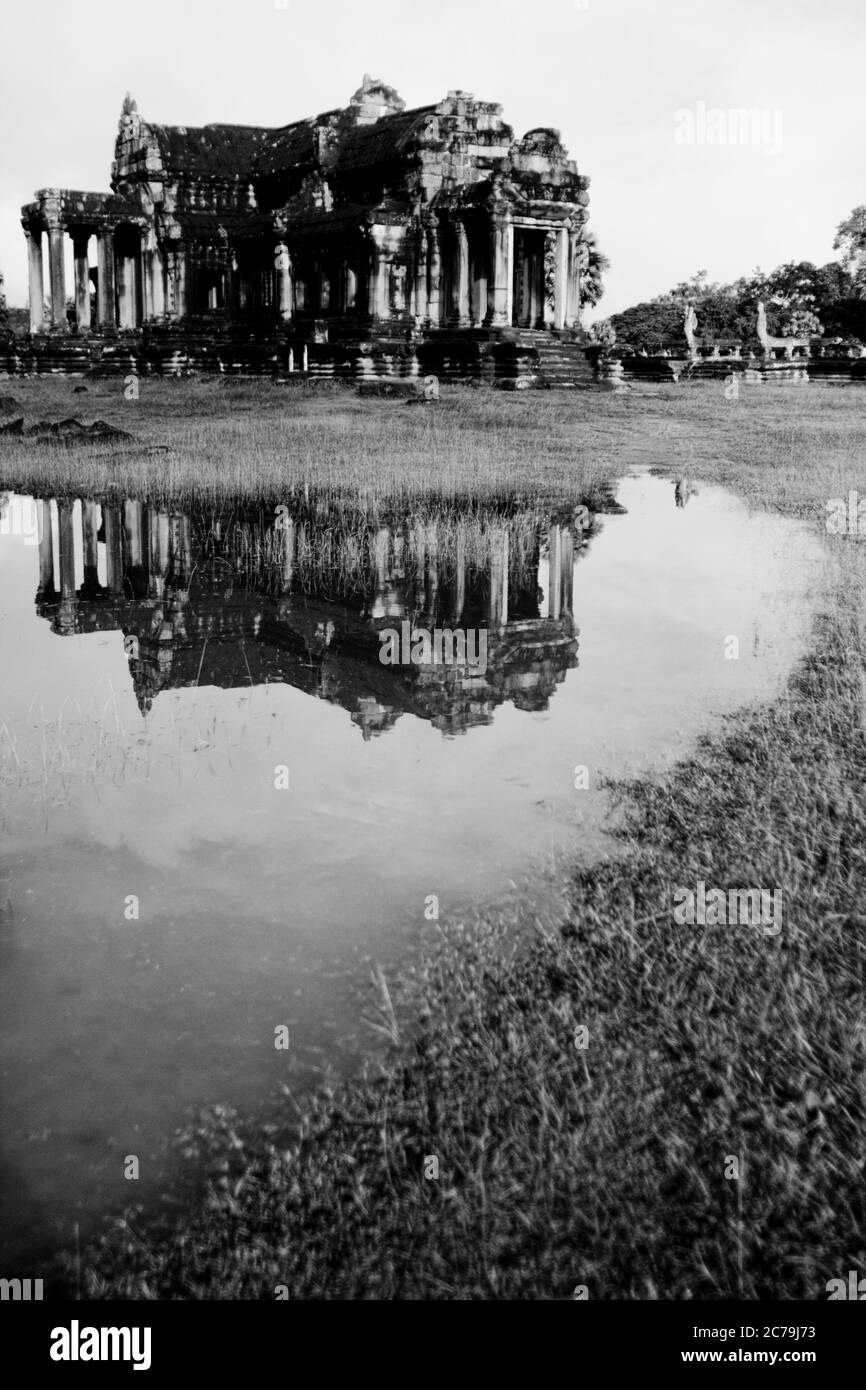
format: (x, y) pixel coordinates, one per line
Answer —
(612, 75)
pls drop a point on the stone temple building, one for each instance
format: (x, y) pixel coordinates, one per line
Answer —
(364, 240)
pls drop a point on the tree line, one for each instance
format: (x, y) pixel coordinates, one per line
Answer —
(800, 298)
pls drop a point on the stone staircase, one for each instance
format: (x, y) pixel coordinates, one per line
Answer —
(561, 364)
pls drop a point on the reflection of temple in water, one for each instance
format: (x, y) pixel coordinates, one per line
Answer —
(235, 601)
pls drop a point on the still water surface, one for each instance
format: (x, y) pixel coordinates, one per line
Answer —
(158, 668)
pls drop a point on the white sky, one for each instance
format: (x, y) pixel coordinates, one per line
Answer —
(610, 74)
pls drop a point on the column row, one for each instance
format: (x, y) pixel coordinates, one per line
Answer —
(145, 549)
(453, 274)
(130, 278)
(457, 272)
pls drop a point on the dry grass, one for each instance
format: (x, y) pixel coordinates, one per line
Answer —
(212, 442)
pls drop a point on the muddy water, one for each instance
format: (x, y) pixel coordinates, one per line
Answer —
(220, 809)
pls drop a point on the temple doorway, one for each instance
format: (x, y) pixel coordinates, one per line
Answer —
(529, 295)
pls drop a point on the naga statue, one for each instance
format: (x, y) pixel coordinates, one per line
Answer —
(690, 324)
(769, 344)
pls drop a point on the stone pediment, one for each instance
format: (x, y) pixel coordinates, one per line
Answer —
(374, 99)
(543, 140)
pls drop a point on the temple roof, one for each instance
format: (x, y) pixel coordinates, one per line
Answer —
(257, 150)
(449, 150)
(341, 139)
(209, 149)
(287, 147)
(382, 141)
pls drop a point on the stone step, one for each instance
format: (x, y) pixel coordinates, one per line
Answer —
(562, 364)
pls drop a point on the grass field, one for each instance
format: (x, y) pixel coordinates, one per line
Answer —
(212, 440)
(607, 1167)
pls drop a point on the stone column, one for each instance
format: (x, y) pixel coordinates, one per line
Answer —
(509, 282)
(156, 268)
(567, 569)
(432, 567)
(523, 281)
(351, 293)
(185, 548)
(481, 271)
(419, 306)
(155, 582)
(175, 568)
(380, 606)
(105, 311)
(554, 575)
(82, 280)
(139, 289)
(459, 590)
(572, 311)
(124, 293)
(180, 282)
(548, 311)
(58, 277)
(385, 285)
(381, 552)
(146, 284)
(283, 267)
(418, 553)
(460, 301)
(133, 533)
(37, 288)
(378, 298)
(89, 528)
(153, 279)
(163, 544)
(46, 551)
(66, 538)
(498, 289)
(434, 276)
(560, 309)
(497, 604)
(113, 549)
(232, 286)
(300, 273)
(323, 278)
(373, 281)
(128, 277)
(288, 555)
